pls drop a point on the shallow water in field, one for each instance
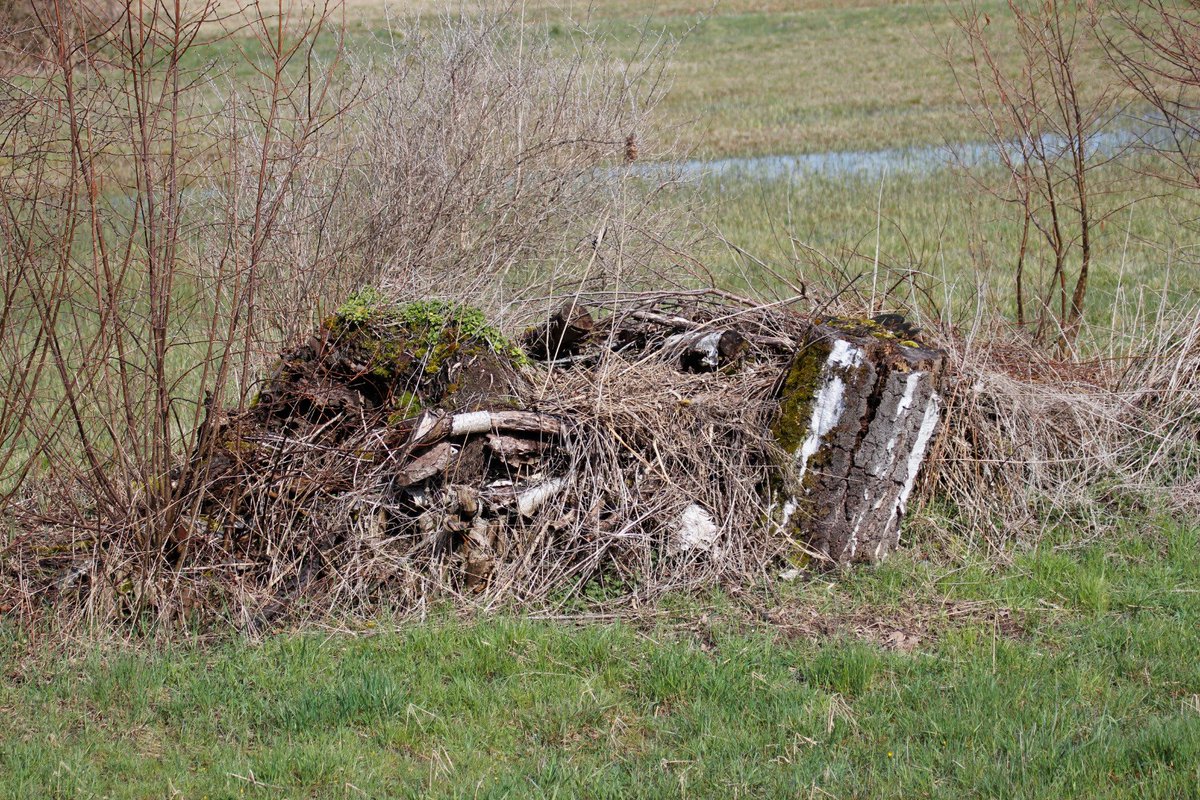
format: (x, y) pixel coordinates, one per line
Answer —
(844, 163)
(857, 163)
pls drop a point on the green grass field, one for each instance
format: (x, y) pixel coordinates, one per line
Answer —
(1070, 671)
(850, 77)
(1066, 667)
(939, 226)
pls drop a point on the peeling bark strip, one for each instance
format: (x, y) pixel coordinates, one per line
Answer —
(427, 465)
(858, 408)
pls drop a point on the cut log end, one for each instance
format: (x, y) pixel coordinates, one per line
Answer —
(560, 336)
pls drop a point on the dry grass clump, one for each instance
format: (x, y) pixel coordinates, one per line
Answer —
(1033, 440)
(650, 441)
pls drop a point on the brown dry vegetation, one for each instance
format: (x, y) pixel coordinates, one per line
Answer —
(37, 33)
(165, 237)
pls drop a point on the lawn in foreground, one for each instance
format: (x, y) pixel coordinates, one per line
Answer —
(1076, 673)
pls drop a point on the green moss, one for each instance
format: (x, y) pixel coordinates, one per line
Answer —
(406, 347)
(857, 326)
(445, 327)
(406, 406)
(360, 307)
(388, 355)
(795, 413)
(796, 395)
(432, 330)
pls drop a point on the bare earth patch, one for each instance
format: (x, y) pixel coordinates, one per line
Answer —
(900, 630)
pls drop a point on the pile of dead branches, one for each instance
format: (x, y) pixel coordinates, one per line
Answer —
(409, 452)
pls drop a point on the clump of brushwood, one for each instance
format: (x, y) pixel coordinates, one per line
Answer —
(407, 451)
(197, 189)
(1042, 123)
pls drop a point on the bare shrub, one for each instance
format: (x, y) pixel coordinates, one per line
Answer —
(44, 33)
(1155, 48)
(1043, 129)
(494, 157)
(111, 332)
(169, 225)
(478, 162)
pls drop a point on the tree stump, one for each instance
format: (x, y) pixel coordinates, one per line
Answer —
(858, 408)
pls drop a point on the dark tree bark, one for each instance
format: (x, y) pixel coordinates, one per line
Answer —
(858, 408)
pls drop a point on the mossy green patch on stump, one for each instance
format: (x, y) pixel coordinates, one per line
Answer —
(435, 329)
(377, 356)
(796, 393)
(856, 327)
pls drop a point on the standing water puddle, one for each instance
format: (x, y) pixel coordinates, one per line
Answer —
(854, 163)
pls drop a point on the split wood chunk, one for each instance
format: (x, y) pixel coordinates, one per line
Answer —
(704, 350)
(858, 408)
(426, 465)
(515, 450)
(561, 335)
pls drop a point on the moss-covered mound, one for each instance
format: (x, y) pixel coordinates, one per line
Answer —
(347, 400)
(380, 360)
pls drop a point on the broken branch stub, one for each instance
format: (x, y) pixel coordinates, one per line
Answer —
(705, 350)
(858, 408)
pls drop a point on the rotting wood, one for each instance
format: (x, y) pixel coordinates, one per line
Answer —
(561, 335)
(704, 350)
(407, 454)
(858, 409)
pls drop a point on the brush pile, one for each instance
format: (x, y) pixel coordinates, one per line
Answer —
(1033, 441)
(409, 451)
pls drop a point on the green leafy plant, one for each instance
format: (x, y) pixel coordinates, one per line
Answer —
(360, 306)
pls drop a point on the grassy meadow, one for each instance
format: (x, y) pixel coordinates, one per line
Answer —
(1063, 667)
(1069, 671)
